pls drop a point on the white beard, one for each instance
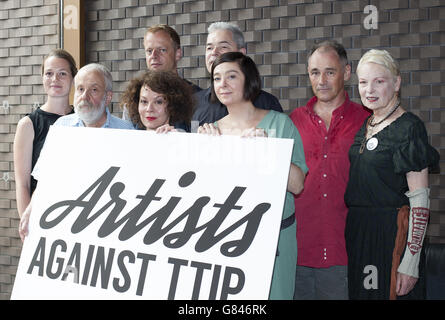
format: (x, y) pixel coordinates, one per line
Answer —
(92, 114)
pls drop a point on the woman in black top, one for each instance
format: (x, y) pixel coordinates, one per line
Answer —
(58, 71)
(387, 192)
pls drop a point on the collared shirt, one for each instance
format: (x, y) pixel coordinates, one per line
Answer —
(73, 120)
(320, 209)
(209, 112)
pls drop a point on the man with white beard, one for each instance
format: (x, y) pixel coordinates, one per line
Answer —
(93, 86)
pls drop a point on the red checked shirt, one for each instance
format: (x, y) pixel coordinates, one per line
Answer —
(320, 209)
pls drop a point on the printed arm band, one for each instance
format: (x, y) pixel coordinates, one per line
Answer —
(418, 220)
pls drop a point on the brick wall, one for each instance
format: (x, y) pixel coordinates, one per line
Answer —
(28, 31)
(278, 33)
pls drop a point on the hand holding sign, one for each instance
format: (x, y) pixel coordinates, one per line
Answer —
(125, 223)
(24, 222)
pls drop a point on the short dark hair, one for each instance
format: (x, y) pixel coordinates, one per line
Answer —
(252, 83)
(177, 91)
(336, 46)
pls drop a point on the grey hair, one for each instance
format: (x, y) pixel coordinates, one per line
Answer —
(237, 35)
(103, 70)
(331, 44)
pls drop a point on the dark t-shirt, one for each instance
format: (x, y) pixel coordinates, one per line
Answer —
(41, 120)
(195, 88)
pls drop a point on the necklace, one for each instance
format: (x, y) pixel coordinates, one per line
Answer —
(386, 117)
(370, 124)
(362, 146)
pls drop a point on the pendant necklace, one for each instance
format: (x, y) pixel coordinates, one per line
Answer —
(373, 142)
(386, 117)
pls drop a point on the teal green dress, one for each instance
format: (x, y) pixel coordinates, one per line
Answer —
(283, 280)
(279, 125)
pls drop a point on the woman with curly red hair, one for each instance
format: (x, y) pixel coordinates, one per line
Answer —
(159, 101)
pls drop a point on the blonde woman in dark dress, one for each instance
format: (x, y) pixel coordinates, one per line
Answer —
(387, 192)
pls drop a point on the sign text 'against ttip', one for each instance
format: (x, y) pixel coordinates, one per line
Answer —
(122, 214)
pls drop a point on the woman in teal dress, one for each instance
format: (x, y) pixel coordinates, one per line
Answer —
(236, 83)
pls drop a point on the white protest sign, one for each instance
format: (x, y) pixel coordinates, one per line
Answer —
(123, 214)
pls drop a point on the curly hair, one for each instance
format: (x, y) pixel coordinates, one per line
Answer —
(177, 91)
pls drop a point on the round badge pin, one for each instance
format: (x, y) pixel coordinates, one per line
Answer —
(372, 143)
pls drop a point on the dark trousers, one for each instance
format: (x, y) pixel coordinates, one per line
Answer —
(321, 283)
